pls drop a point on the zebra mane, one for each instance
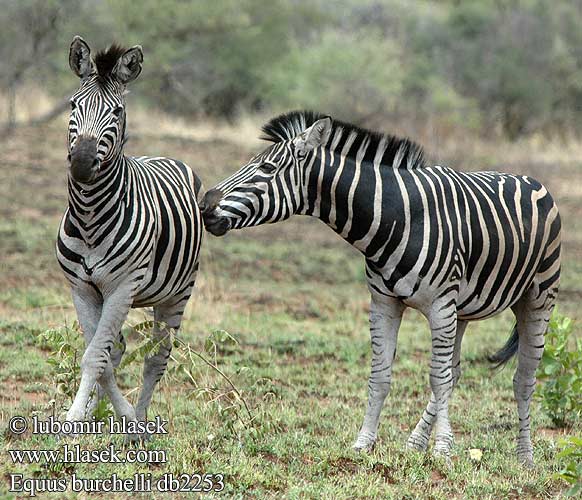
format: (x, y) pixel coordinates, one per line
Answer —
(399, 152)
(105, 60)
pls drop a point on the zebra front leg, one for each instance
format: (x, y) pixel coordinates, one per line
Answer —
(443, 325)
(385, 317)
(96, 363)
(420, 436)
(155, 365)
(98, 392)
(89, 306)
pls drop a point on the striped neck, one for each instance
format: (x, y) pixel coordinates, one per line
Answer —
(92, 206)
(346, 192)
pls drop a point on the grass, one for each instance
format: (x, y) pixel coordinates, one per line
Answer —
(294, 298)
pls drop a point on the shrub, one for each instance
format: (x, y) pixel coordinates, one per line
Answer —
(355, 76)
(65, 346)
(561, 373)
(572, 469)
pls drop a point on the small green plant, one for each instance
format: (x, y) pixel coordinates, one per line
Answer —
(571, 472)
(148, 345)
(561, 373)
(230, 402)
(64, 344)
(219, 341)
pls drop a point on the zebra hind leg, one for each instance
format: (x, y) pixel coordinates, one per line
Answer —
(420, 436)
(155, 365)
(533, 313)
(385, 318)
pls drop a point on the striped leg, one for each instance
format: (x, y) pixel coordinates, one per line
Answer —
(96, 363)
(89, 309)
(385, 318)
(98, 392)
(532, 314)
(443, 325)
(420, 436)
(155, 365)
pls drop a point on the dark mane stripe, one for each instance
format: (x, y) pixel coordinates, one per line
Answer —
(289, 125)
(105, 60)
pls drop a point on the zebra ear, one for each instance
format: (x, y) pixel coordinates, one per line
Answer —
(80, 58)
(128, 66)
(315, 136)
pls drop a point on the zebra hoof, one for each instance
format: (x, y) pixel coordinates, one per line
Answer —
(364, 444)
(68, 429)
(76, 415)
(443, 456)
(526, 461)
(416, 443)
(136, 439)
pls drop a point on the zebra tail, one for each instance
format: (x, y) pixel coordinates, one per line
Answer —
(507, 351)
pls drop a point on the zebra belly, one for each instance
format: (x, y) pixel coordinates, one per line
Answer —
(474, 304)
(161, 291)
(479, 308)
(171, 271)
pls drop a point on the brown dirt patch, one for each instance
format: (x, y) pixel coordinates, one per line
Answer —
(385, 472)
(344, 465)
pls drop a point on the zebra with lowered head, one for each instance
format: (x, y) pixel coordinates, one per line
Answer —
(455, 246)
(131, 234)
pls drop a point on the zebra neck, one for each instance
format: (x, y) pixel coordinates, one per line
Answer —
(346, 193)
(93, 207)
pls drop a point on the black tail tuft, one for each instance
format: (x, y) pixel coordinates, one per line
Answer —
(507, 351)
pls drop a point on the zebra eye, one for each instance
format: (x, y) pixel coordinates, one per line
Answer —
(117, 111)
(267, 168)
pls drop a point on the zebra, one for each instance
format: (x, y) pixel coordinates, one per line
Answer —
(455, 246)
(130, 236)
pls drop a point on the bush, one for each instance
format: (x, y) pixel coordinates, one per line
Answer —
(354, 76)
(572, 470)
(65, 346)
(561, 372)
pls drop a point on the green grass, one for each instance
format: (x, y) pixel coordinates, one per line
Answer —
(294, 298)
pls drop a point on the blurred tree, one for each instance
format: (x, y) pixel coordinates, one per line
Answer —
(211, 57)
(27, 36)
(355, 76)
(509, 67)
(501, 54)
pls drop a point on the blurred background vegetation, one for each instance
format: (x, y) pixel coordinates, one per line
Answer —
(493, 68)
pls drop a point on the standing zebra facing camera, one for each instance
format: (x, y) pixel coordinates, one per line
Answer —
(131, 234)
(455, 246)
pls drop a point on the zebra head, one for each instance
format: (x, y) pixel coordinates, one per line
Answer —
(269, 188)
(97, 121)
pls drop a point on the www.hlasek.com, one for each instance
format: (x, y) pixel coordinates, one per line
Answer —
(70, 453)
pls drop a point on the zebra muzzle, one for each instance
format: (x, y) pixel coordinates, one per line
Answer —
(218, 226)
(84, 164)
(213, 223)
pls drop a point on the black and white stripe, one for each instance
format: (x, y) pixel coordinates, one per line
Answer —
(132, 232)
(456, 246)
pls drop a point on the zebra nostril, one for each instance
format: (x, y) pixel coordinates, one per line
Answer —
(96, 163)
(69, 157)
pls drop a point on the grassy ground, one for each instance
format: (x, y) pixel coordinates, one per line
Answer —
(293, 297)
